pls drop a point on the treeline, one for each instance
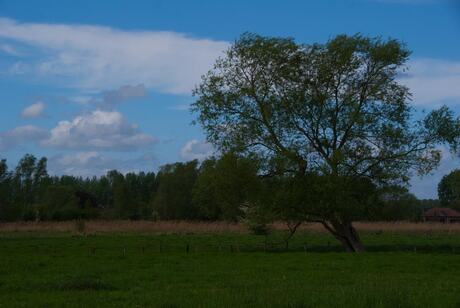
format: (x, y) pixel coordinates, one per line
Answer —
(216, 189)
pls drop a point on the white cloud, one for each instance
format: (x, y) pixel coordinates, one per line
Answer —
(95, 57)
(20, 135)
(92, 163)
(33, 111)
(26, 132)
(102, 130)
(195, 149)
(433, 81)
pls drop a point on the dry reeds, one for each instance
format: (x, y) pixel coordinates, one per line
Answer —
(101, 226)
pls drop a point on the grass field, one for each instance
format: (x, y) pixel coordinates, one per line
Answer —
(227, 269)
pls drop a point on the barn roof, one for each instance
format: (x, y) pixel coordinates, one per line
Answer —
(442, 212)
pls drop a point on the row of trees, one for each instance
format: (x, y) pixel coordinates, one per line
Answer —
(228, 188)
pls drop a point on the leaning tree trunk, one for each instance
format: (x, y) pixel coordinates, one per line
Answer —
(346, 234)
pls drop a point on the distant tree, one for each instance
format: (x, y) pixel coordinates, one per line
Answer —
(120, 193)
(449, 190)
(59, 203)
(29, 193)
(335, 111)
(23, 180)
(396, 204)
(224, 185)
(5, 191)
(429, 203)
(173, 198)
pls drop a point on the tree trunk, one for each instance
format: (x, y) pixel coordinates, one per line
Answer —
(346, 234)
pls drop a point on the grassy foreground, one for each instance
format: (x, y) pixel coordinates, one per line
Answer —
(227, 270)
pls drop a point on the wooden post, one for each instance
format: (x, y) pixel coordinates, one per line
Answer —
(187, 248)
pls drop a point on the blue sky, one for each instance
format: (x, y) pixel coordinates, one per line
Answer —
(97, 85)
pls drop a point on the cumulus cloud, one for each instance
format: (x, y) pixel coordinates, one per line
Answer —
(99, 130)
(433, 81)
(195, 149)
(95, 57)
(33, 111)
(93, 163)
(20, 135)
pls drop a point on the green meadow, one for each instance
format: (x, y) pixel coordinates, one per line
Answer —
(227, 270)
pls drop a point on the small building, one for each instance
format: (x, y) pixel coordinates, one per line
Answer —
(442, 214)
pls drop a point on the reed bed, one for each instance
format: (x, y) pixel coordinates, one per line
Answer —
(105, 226)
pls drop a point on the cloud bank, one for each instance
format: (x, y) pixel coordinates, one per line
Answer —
(99, 129)
(20, 135)
(96, 57)
(433, 82)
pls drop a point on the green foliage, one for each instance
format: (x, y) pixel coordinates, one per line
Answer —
(449, 190)
(333, 108)
(224, 185)
(312, 197)
(397, 204)
(29, 193)
(173, 199)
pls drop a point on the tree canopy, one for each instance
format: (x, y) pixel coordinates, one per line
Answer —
(449, 190)
(334, 110)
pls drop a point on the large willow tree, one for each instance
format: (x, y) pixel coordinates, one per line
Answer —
(333, 112)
